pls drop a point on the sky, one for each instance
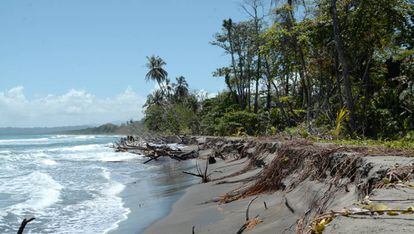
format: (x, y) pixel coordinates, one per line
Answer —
(76, 62)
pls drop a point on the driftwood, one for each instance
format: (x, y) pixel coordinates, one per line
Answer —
(288, 206)
(249, 222)
(155, 151)
(205, 177)
(23, 225)
(152, 151)
(212, 160)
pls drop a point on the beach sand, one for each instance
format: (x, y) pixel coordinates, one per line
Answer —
(199, 208)
(152, 197)
(195, 209)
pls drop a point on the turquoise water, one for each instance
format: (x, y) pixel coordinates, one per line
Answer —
(77, 184)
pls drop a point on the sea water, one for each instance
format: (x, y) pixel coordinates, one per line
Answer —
(77, 184)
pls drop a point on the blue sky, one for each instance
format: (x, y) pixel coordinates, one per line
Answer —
(53, 51)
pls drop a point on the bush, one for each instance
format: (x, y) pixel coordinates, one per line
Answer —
(213, 110)
(174, 119)
(236, 122)
(277, 119)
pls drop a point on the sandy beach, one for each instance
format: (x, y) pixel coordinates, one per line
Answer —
(280, 211)
(164, 185)
(196, 208)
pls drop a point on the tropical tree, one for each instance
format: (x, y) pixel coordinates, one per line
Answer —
(181, 89)
(300, 67)
(156, 71)
(155, 98)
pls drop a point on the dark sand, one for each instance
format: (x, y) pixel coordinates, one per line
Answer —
(198, 207)
(151, 198)
(192, 210)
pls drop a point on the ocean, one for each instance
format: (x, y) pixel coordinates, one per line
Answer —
(78, 184)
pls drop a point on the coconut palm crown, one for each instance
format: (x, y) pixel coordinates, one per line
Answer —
(156, 71)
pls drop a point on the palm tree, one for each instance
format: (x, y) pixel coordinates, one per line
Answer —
(181, 89)
(156, 71)
(168, 88)
(155, 98)
(340, 48)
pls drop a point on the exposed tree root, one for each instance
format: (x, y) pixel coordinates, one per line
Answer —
(249, 223)
(204, 175)
(309, 162)
(245, 180)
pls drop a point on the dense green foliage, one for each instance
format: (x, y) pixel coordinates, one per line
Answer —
(306, 64)
(171, 109)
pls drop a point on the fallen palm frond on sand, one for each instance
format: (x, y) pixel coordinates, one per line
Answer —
(319, 224)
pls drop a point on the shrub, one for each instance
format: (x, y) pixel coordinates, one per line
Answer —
(237, 121)
(174, 119)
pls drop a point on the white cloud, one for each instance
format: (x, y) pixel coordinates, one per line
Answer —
(76, 107)
(203, 94)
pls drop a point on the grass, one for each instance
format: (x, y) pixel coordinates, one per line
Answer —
(392, 144)
(404, 143)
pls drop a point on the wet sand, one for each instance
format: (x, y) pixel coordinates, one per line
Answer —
(210, 217)
(151, 197)
(199, 208)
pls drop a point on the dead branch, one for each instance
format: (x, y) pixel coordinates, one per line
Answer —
(152, 151)
(152, 158)
(193, 174)
(288, 206)
(205, 177)
(23, 225)
(392, 200)
(247, 221)
(248, 208)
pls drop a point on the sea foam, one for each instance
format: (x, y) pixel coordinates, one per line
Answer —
(65, 181)
(37, 190)
(24, 141)
(48, 162)
(97, 215)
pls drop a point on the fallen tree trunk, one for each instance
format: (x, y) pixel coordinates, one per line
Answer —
(153, 151)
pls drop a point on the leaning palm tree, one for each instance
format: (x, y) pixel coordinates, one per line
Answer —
(168, 86)
(156, 71)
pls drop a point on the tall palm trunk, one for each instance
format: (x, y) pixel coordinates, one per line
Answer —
(305, 80)
(338, 79)
(256, 96)
(345, 64)
(268, 85)
(367, 91)
(228, 26)
(287, 80)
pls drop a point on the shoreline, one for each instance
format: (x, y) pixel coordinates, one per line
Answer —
(158, 198)
(281, 210)
(188, 210)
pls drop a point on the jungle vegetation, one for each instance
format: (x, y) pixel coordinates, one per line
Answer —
(318, 67)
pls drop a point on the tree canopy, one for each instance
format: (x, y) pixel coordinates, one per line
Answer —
(305, 64)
